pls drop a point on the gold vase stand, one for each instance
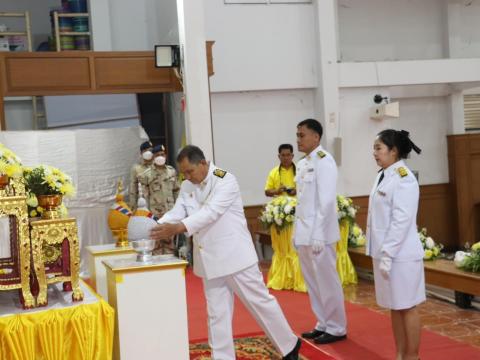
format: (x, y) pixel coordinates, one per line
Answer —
(56, 256)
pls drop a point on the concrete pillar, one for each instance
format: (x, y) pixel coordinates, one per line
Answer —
(327, 92)
(192, 38)
(453, 46)
(456, 124)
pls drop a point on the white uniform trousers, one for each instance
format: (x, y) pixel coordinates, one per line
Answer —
(324, 288)
(249, 286)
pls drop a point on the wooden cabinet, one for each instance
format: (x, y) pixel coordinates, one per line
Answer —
(464, 172)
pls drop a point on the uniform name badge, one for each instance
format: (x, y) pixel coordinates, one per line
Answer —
(311, 170)
(381, 193)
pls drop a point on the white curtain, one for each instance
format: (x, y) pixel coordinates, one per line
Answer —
(95, 159)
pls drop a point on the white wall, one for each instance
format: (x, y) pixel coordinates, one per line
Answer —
(391, 29)
(141, 24)
(425, 118)
(92, 111)
(18, 114)
(464, 37)
(247, 129)
(261, 47)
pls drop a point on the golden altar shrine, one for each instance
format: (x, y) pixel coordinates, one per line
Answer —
(56, 256)
(39, 252)
(15, 268)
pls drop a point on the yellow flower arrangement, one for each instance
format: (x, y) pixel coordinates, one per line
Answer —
(279, 212)
(431, 249)
(10, 164)
(48, 180)
(476, 246)
(356, 237)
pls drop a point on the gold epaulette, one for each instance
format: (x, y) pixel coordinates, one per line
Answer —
(402, 171)
(220, 173)
(321, 154)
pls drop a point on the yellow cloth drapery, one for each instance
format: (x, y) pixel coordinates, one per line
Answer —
(284, 272)
(81, 332)
(346, 270)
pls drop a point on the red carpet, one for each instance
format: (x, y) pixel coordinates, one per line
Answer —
(369, 333)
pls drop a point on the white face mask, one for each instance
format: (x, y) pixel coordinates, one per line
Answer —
(147, 155)
(159, 160)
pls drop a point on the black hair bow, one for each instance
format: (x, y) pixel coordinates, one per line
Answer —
(414, 147)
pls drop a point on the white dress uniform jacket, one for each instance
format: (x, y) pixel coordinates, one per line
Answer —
(392, 212)
(316, 215)
(225, 257)
(213, 214)
(316, 221)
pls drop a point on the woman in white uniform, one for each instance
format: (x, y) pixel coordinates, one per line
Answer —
(393, 242)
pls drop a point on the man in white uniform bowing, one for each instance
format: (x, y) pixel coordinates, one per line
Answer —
(317, 232)
(210, 209)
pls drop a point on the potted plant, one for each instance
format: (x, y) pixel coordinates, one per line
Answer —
(49, 185)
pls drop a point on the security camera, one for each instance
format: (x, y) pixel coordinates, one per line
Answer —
(384, 108)
(382, 111)
(378, 99)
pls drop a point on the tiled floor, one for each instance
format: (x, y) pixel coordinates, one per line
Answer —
(437, 315)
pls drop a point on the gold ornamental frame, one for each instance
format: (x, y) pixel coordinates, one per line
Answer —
(13, 203)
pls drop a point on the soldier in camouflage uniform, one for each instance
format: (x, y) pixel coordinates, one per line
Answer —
(163, 187)
(138, 174)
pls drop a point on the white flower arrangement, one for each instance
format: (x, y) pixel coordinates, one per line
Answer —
(469, 261)
(345, 209)
(280, 211)
(431, 249)
(460, 257)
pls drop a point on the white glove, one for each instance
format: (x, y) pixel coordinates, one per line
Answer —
(317, 247)
(385, 266)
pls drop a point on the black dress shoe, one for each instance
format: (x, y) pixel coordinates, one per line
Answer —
(327, 338)
(312, 334)
(293, 355)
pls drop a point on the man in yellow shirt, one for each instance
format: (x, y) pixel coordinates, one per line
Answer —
(284, 272)
(281, 179)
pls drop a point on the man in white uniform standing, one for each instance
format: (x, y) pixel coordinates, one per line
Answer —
(317, 232)
(210, 209)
